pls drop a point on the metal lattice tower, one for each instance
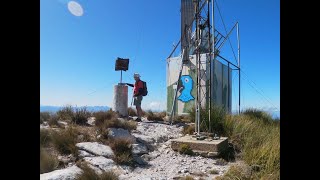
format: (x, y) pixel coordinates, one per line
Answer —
(199, 38)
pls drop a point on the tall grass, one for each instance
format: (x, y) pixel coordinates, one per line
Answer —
(217, 118)
(256, 138)
(258, 114)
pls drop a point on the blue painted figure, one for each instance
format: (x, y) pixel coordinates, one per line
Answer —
(186, 82)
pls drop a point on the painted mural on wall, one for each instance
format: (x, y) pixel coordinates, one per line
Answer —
(221, 84)
(186, 86)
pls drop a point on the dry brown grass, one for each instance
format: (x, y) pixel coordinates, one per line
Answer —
(48, 162)
(188, 129)
(102, 116)
(132, 112)
(151, 116)
(122, 148)
(65, 140)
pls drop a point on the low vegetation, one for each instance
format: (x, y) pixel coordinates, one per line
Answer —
(80, 116)
(132, 112)
(116, 123)
(65, 140)
(122, 148)
(48, 162)
(44, 116)
(188, 129)
(45, 137)
(65, 113)
(254, 137)
(151, 116)
(53, 121)
(217, 119)
(102, 116)
(185, 149)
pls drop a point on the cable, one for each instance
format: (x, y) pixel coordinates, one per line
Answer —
(260, 93)
(226, 30)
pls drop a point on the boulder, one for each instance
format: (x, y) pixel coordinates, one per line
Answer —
(96, 148)
(100, 162)
(69, 173)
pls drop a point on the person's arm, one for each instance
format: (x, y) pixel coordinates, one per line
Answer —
(131, 85)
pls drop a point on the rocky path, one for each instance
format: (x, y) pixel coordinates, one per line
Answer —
(152, 152)
(164, 163)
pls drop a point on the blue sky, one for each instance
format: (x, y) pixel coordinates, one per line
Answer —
(77, 53)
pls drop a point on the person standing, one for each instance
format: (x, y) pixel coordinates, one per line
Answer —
(137, 94)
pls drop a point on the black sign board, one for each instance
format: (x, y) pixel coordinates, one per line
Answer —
(122, 64)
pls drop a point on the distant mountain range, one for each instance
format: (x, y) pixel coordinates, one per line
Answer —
(57, 108)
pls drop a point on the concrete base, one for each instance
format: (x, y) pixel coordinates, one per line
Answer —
(207, 147)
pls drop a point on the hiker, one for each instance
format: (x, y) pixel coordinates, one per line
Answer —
(137, 94)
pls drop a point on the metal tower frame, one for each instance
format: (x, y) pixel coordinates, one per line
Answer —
(202, 22)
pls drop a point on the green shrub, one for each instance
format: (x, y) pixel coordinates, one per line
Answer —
(80, 116)
(66, 113)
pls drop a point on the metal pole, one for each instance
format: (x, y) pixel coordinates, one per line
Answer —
(228, 61)
(175, 93)
(226, 37)
(238, 37)
(121, 77)
(228, 86)
(175, 47)
(198, 68)
(209, 66)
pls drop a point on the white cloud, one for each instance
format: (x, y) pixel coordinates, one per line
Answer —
(156, 106)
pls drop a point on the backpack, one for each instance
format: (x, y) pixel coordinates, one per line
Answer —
(145, 89)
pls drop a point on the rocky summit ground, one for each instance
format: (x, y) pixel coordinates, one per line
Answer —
(152, 152)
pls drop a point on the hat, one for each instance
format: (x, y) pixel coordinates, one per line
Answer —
(136, 75)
